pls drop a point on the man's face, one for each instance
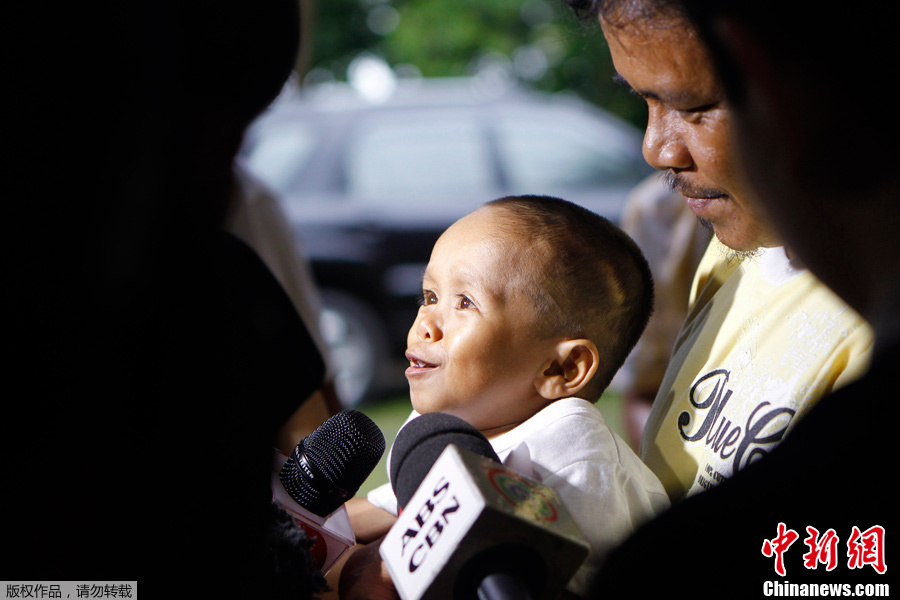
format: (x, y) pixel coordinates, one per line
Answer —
(472, 349)
(689, 127)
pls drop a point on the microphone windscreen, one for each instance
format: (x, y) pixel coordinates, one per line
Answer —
(419, 444)
(328, 467)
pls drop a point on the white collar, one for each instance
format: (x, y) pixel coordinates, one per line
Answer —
(775, 266)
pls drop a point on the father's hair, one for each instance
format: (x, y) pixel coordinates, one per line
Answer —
(626, 10)
(588, 278)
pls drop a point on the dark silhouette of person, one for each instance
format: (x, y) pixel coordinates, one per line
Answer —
(155, 355)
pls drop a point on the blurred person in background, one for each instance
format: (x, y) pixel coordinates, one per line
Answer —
(672, 239)
(256, 217)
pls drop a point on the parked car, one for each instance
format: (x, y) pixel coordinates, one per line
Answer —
(370, 187)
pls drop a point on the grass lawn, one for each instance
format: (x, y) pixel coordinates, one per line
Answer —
(389, 414)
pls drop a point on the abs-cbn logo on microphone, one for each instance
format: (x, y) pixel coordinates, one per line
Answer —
(429, 521)
(441, 524)
(436, 521)
(465, 508)
(527, 498)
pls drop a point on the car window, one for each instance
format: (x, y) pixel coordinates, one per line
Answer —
(279, 153)
(418, 156)
(542, 154)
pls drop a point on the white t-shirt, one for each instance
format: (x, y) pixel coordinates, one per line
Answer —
(601, 481)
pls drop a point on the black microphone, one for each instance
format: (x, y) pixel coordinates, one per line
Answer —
(328, 467)
(421, 441)
(469, 527)
(325, 470)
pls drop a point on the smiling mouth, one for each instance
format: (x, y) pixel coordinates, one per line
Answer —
(417, 363)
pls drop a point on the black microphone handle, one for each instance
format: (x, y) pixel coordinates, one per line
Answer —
(502, 586)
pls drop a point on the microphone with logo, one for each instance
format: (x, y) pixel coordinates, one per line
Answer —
(325, 470)
(468, 526)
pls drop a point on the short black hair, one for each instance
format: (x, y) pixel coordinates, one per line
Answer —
(594, 282)
(627, 10)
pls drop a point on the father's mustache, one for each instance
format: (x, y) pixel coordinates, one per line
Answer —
(678, 183)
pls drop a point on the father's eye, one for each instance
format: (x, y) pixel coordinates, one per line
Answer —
(696, 112)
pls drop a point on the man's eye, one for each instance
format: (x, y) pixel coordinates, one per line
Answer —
(696, 112)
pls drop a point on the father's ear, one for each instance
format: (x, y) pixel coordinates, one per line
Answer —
(569, 371)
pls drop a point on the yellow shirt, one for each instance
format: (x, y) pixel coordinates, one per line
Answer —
(762, 342)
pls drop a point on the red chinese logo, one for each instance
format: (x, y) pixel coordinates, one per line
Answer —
(778, 545)
(866, 548)
(822, 551)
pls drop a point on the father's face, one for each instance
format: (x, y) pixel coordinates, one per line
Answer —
(689, 128)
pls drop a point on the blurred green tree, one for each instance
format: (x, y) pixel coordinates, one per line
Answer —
(537, 41)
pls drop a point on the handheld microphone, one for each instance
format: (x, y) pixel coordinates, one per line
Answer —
(469, 527)
(421, 441)
(325, 470)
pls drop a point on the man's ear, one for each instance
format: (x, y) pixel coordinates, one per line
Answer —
(569, 371)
